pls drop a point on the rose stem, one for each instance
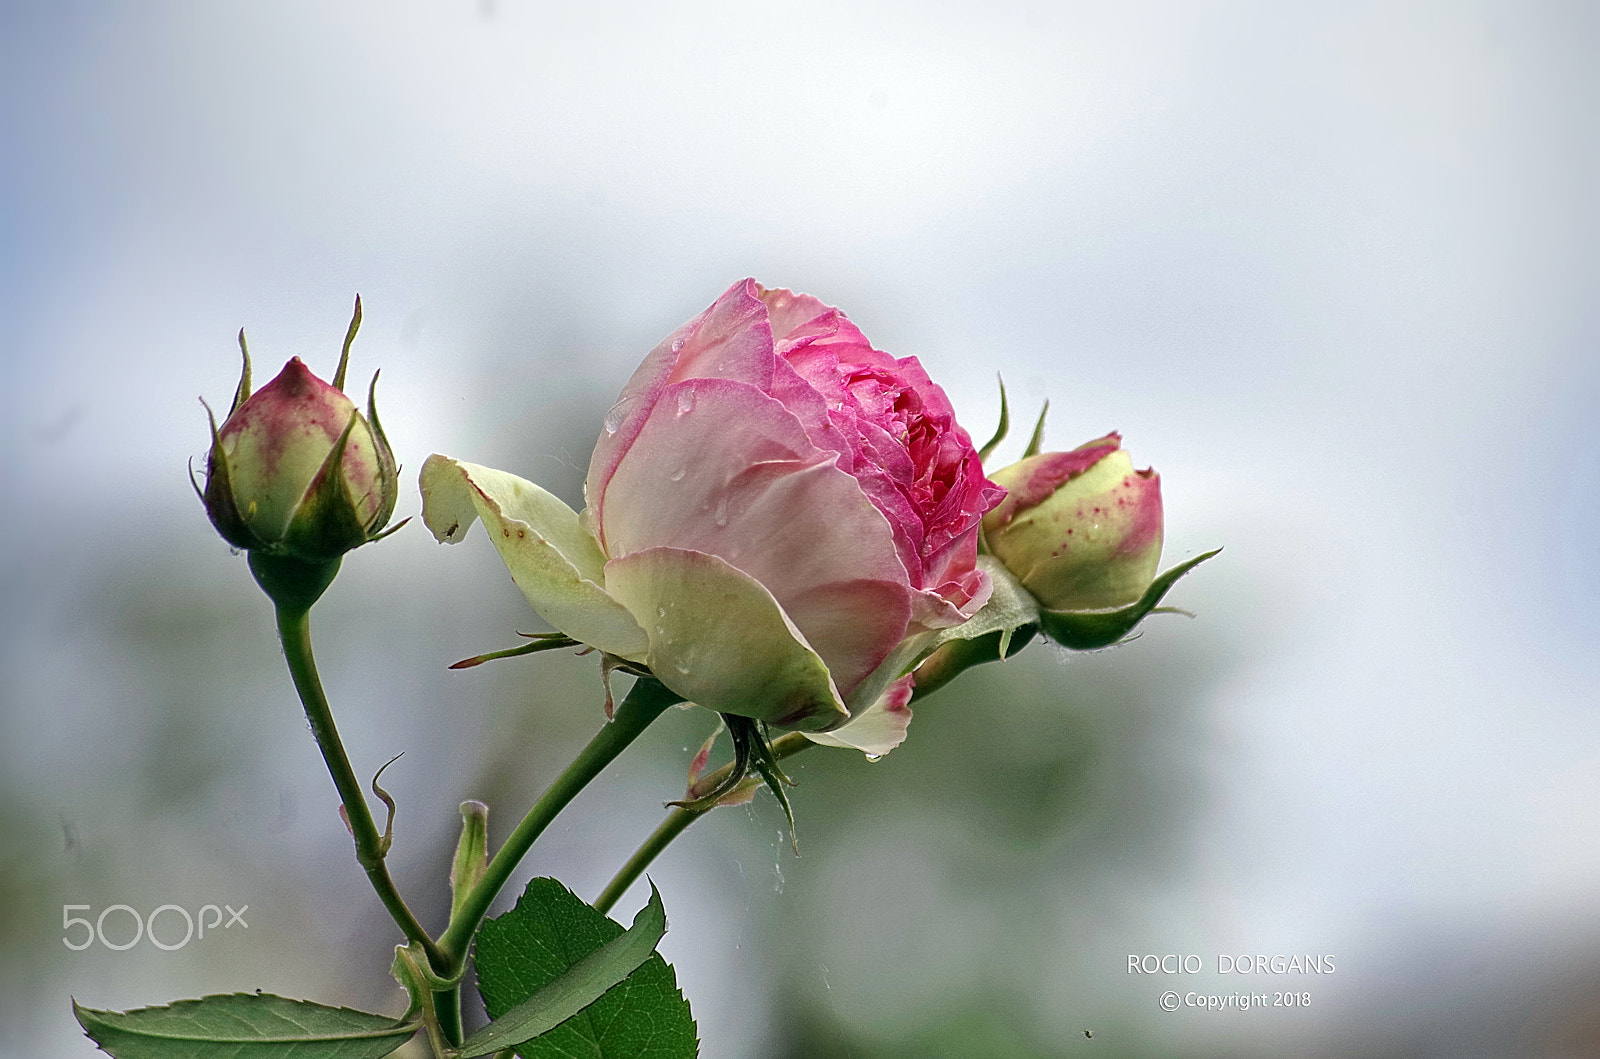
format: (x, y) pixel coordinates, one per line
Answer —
(645, 702)
(294, 629)
(678, 821)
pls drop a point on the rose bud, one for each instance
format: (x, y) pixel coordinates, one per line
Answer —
(775, 508)
(296, 471)
(1080, 530)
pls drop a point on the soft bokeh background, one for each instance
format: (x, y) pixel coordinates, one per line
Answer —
(1329, 267)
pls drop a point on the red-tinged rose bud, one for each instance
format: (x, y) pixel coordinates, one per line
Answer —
(296, 472)
(1082, 529)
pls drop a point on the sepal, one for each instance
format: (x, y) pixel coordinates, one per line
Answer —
(742, 793)
(1088, 630)
(241, 393)
(1002, 428)
(218, 493)
(326, 523)
(390, 470)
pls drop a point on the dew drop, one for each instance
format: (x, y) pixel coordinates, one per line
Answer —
(874, 757)
(677, 344)
(661, 612)
(676, 476)
(685, 400)
(618, 413)
(722, 512)
(682, 668)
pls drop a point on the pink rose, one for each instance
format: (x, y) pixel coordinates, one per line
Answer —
(778, 514)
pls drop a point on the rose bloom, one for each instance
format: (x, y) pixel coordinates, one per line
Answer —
(778, 518)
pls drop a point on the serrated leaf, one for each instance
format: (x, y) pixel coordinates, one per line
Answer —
(243, 1026)
(577, 987)
(550, 930)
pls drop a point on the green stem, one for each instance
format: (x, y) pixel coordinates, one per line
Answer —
(294, 628)
(677, 822)
(645, 702)
(679, 819)
(447, 1010)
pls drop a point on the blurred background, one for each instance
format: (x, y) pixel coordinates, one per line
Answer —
(1330, 268)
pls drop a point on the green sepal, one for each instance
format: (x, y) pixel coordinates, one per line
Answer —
(1012, 617)
(765, 763)
(388, 469)
(740, 730)
(1088, 630)
(241, 393)
(752, 752)
(218, 493)
(1037, 440)
(293, 584)
(326, 524)
(1002, 429)
(349, 339)
(542, 641)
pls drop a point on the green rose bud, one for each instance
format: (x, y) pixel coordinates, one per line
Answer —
(296, 471)
(1080, 530)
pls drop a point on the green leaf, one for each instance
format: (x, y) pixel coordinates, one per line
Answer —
(579, 986)
(550, 931)
(1087, 630)
(243, 1026)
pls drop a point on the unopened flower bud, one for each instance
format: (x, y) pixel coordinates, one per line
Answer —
(296, 471)
(1082, 529)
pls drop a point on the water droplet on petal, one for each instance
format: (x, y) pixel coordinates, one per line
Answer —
(677, 344)
(685, 400)
(682, 667)
(874, 757)
(618, 413)
(661, 612)
(722, 512)
(676, 476)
